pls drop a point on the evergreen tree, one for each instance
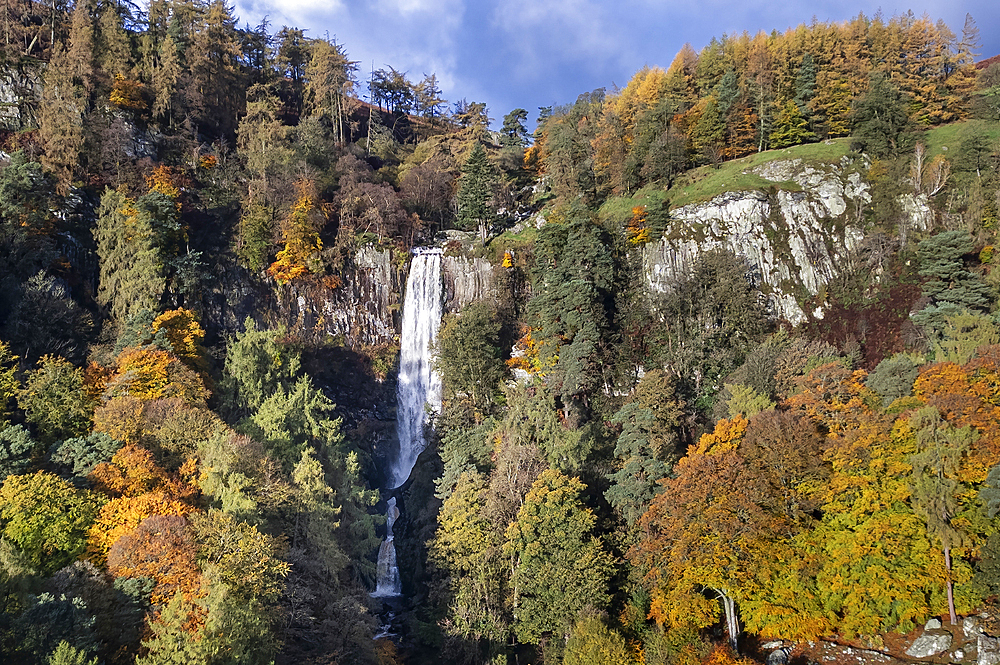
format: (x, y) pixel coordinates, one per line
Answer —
(559, 567)
(880, 119)
(476, 190)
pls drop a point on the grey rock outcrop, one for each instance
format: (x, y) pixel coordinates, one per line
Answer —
(929, 644)
(987, 650)
(465, 281)
(795, 236)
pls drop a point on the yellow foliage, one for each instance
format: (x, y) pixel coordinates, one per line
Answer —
(127, 94)
(301, 255)
(527, 358)
(725, 438)
(150, 373)
(637, 232)
(184, 334)
(164, 181)
(208, 162)
(508, 259)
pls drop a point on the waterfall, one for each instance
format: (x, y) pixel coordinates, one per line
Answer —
(418, 385)
(388, 572)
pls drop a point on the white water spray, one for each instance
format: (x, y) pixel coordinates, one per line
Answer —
(418, 385)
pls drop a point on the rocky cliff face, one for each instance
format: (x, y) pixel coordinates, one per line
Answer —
(20, 92)
(795, 236)
(363, 310)
(465, 280)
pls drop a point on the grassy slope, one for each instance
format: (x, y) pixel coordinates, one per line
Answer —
(706, 182)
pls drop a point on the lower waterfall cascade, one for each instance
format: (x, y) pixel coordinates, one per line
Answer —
(418, 385)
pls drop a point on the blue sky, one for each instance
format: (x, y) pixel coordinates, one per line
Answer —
(532, 53)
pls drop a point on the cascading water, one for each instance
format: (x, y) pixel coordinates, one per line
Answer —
(388, 572)
(417, 386)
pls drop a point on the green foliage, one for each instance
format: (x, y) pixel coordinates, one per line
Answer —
(9, 384)
(467, 548)
(469, 357)
(746, 401)
(593, 643)
(16, 446)
(47, 518)
(951, 287)
(880, 118)
(893, 378)
(235, 553)
(46, 320)
(710, 322)
(963, 334)
(132, 270)
(559, 567)
(790, 127)
(290, 421)
(65, 654)
(476, 206)
(54, 400)
(646, 447)
(171, 642)
(49, 621)
(258, 363)
(572, 304)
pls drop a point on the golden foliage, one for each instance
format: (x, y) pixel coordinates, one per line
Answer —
(301, 255)
(165, 181)
(127, 94)
(637, 231)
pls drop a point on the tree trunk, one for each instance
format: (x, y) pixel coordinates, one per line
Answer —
(732, 621)
(951, 595)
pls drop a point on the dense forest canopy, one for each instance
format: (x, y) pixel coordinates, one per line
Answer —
(190, 461)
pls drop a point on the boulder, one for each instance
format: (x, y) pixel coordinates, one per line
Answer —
(929, 644)
(971, 626)
(988, 650)
(933, 624)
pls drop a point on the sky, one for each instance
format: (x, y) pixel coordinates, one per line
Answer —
(533, 53)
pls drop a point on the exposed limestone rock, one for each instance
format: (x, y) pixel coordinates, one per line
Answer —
(971, 626)
(987, 650)
(795, 238)
(933, 624)
(20, 92)
(465, 280)
(929, 644)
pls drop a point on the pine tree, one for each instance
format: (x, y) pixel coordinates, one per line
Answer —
(476, 207)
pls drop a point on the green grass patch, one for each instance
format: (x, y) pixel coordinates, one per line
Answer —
(619, 208)
(706, 182)
(947, 138)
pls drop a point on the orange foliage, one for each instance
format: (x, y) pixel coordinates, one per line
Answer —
(127, 94)
(723, 655)
(968, 395)
(835, 396)
(161, 548)
(95, 380)
(164, 181)
(208, 162)
(528, 360)
(637, 231)
(141, 489)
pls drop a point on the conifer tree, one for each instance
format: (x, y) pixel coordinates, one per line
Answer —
(476, 207)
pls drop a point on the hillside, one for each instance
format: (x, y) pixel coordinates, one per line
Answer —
(704, 370)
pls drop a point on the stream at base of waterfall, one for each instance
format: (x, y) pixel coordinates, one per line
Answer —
(418, 387)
